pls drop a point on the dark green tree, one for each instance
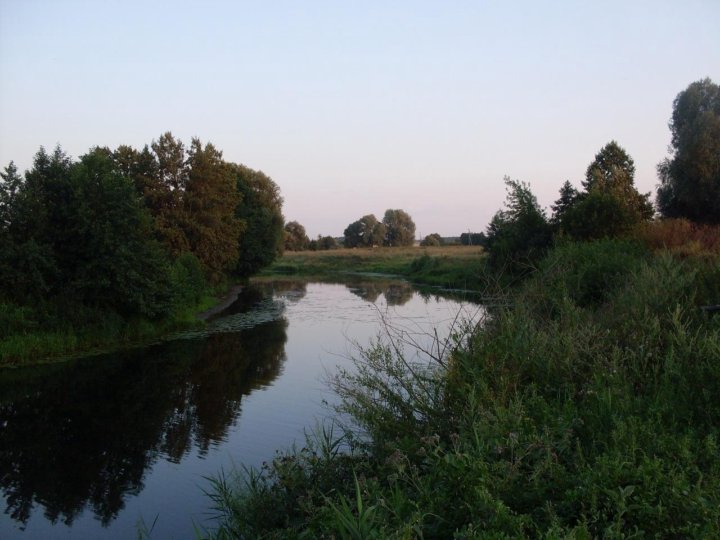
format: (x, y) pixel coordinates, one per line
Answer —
(399, 228)
(568, 197)
(212, 229)
(520, 233)
(690, 177)
(166, 191)
(365, 232)
(610, 205)
(296, 239)
(260, 209)
(326, 242)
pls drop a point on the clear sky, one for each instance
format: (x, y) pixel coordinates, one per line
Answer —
(356, 107)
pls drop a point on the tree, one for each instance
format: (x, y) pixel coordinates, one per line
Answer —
(690, 177)
(295, 237)
(433, 239)
(613, 172)
(568, 197)
(610, 205)
(365, 232)
(212, 229)
(400, 228)
(261, 212)
(519, 233)
(326, 242)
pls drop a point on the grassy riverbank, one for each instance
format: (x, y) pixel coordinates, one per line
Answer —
(41, 335)
(453, 267)
(587, 408)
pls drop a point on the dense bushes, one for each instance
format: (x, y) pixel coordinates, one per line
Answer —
(581, 411)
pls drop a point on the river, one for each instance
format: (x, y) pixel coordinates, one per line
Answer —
(92, 447)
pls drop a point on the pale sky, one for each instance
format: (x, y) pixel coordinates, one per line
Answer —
(356, 107)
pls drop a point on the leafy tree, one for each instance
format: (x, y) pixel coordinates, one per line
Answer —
(295, 237)
(212, 229)
(613, 172)
(433, 239)
(519, 233)
(80, 234)
(365, 232)
(165, 192)
(690, 177)
(326, 242)
(400, 228)
(261, 211)
(473, 239)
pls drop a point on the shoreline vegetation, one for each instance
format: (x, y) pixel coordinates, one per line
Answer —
(585, 406)
(447, 267)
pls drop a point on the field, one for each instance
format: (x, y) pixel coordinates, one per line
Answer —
(445, 266)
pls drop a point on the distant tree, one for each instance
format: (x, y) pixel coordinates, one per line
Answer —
(568, 197)
(326, 242)
(295, 237)
(399, 228)
(610, 205)
(433, 239)
(690, 177)
(519, 233)
(260, 209)
(365, 232)
(613, 172)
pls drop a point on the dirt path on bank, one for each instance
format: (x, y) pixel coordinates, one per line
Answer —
(227, 300)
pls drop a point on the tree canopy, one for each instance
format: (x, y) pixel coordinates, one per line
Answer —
(132, 232)
(365, 232)
(296, 239)
(690, 177)
(399, 228)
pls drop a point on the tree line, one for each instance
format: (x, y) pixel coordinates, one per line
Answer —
(133, 232)
(608, 204)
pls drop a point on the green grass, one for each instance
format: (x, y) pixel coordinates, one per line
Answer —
(589, 408)
(454, 267)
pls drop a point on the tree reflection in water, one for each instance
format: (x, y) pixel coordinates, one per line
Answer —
(83, 434)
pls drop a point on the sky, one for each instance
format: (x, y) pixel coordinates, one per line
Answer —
(356, 107)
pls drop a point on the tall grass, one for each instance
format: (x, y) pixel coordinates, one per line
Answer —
(580, 410)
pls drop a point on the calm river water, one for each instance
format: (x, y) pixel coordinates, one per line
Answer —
(90, 447)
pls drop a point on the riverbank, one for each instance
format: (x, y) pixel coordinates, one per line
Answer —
(590, 408)
(35, 345)
(450, 267)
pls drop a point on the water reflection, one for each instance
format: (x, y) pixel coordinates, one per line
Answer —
(84, 434)
(396, 293)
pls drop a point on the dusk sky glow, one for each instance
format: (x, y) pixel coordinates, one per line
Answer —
(356, 107)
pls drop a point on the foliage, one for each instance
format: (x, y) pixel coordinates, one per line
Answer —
(520, 233)
(399, 228)
(610, 205)
(126, 237)
(568, 197)
(576, 412)
(295, 237)
(690, 177)
(473, 239)
(323, 243)
(432, 240)
(365, 232)
(261, 211)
